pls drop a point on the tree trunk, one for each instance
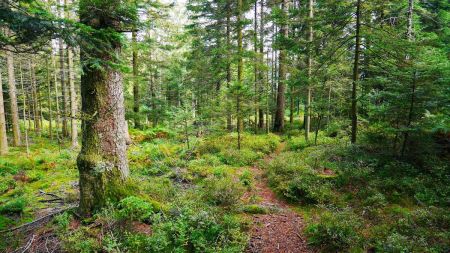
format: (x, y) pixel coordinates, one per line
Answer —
(261, 62)
(240, 72)
(310, 62)
(73, 94)
(3, 137)
(58, 116)
(73, 100)
(282, 71)
(229, 123)
(354, 111)
(49, 100)
(413, 85)
(36, 111)
(13, 99)
(24, 109)
(137, 123)
(65, 104)
(102, 161)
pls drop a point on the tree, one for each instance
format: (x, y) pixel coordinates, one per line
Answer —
(13, 98)
(310, 63)
(354, 110)
(3, 137)
(282, 73)
(73, 94)
(102, 161)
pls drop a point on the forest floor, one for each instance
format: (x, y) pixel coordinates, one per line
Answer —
(280, 231)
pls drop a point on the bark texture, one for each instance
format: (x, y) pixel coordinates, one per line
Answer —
(354, 111)
(282, 71)
(102, 161)
(13, 99)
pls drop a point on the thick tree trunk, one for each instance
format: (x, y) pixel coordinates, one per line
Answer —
(13, 99)
(102, 161)
(282, 72)
(3, 137)
(354, 111)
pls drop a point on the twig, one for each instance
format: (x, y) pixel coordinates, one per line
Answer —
(26, 247)
(50, 194)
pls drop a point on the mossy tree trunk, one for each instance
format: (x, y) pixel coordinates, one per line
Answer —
(102, 161)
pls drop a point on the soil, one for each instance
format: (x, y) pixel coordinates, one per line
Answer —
(276, 232)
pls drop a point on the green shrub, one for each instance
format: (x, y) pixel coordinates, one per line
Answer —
(63, 221)
(246, 178)
(243, 157)
(255, 209)
(222, 191)
(14, 206)
(192, 230)
(297, 143)
(134, 208)
(309, 188)
(335, 231)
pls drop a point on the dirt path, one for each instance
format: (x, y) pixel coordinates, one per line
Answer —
(280, 231)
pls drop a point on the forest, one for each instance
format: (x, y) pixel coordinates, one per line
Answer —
(225, 126)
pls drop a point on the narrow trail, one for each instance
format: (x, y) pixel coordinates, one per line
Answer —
(280, 231)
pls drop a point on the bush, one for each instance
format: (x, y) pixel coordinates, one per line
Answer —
(246, 178)
(243, 157)
(297, 143)
(192, 230)
(222, 191)
(309, 188)
(335, 231)
(134, 208)
(14, 206)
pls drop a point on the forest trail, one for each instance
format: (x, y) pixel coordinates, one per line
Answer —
(279, 231)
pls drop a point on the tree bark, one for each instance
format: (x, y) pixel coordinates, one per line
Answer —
(13, 99)
(261, 62)
(3, 137)
(36, 111)
(282, 72)
(240, 72)
(229, 123)
(73, 94)
(73, 101)
(65, 104)
(354, 111)
(137, 123)
(102, 161)
(49, 100)
(310, 62)
(24, 109)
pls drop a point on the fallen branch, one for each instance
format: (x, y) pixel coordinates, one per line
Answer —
(49, 194)
(43, 219)
(26, 247)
